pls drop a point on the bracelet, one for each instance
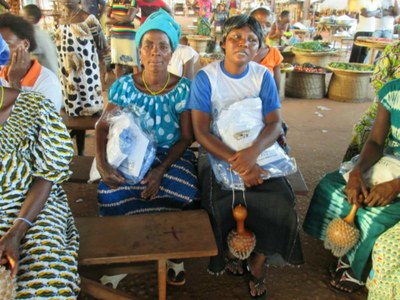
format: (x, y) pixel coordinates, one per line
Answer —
(25, 220)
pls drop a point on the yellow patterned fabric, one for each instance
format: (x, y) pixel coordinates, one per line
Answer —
(34, 142)
(384, 279)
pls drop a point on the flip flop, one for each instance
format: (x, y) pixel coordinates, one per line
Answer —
(258, 282)
(235, 264)
(336, 269)
(346, 284)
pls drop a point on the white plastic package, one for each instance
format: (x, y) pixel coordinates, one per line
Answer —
(238, 126)
(130, 149)
(387, 168)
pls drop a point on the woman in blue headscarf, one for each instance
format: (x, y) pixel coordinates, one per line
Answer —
(171, 183)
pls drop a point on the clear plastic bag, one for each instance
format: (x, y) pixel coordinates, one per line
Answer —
(130, 146)
(240, 133)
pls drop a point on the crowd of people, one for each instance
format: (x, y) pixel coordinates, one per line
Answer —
(156, 81)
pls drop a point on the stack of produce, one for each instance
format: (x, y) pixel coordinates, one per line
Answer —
(308, 68)
(352, 67)
(314, 46)
(314, 52)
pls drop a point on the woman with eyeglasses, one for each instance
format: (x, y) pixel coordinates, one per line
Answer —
(270, 203)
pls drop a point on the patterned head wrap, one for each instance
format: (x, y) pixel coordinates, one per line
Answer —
(160, 20)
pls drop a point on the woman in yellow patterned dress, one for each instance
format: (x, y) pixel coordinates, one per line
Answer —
(384, 278)
(38, 238)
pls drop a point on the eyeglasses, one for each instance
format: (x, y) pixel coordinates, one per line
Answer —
(237, 38)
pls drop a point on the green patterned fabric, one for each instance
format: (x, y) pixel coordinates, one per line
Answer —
(329, 200)
(34, 142)
(384, 278)
(387, 69)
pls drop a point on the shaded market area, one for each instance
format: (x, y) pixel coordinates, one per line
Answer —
(326, 65)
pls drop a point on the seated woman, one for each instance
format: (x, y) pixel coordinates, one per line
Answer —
(171, 184)
(22, 71)
(215, 87)
(384, 278)
(387, 69)
(38, 238)
(380, 205)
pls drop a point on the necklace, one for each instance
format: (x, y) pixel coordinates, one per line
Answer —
(157, 92)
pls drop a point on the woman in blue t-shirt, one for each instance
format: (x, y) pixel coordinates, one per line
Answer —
(270, 203)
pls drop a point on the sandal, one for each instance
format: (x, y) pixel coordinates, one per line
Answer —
(234, 265)
(175, 273)
(346, 284)
(336, 269)
(258, 284)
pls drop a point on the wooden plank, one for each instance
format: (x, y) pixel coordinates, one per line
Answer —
(80, 123)
(80, 167)
(147, 237)
(298, 184)
(115, 269)
(100, 291)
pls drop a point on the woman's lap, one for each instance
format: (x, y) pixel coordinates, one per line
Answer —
(329, 202)
(271, 204)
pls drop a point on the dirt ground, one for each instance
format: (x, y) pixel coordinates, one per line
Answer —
(318, 139)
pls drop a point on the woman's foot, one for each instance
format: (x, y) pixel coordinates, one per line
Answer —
(234, 266)
(336, 269)
(175, 272)
(347, 283)
(257, 277)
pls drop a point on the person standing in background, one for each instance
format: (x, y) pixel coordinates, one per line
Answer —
(45, 52)
(147, 7)
(94, 7)
(369, 9)
(384, 23)
(121, 14)
(234, 7)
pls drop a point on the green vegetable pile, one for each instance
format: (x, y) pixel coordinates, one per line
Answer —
(351, 66)
(314, 46)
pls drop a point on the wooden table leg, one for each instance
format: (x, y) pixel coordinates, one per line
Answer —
(162, 279)
(371, 56)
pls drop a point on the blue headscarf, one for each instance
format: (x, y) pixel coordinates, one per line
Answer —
(160, 20)
(4, 52)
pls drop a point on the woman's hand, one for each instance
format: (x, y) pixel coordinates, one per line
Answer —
(19, 66)
(356, 190)
(382, 194)
(153, 182)
(253, 177)
(244, 160)
(110, 176)
(9, 252)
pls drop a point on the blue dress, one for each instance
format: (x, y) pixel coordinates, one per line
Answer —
(178, 187)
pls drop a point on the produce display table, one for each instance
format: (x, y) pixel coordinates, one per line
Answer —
(321, 59)
(331, 29)
(373, 44)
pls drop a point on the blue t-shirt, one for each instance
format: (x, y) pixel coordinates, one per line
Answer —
(214, 88)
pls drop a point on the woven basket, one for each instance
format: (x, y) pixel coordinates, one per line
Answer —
(350, 87)
(198, 42)
(305, 85)
(321, 59)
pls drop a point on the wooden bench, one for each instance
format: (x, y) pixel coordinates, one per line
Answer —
(78, 127)
(140, 238)
(80, 167)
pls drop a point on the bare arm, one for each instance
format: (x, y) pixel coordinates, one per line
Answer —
(368, 14)
(33, 204)
(5, 4)
(277, 77)
(188, 69)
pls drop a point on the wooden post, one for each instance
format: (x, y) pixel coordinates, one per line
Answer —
(306, 9)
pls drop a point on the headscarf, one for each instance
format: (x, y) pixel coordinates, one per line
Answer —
(160, 20)
(4, 52)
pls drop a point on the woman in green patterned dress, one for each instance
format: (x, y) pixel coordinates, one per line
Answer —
(379, 206)
(38, 238)
(387, 69)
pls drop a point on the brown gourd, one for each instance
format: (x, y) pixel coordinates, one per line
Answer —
(241, 242)
(342, 234)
